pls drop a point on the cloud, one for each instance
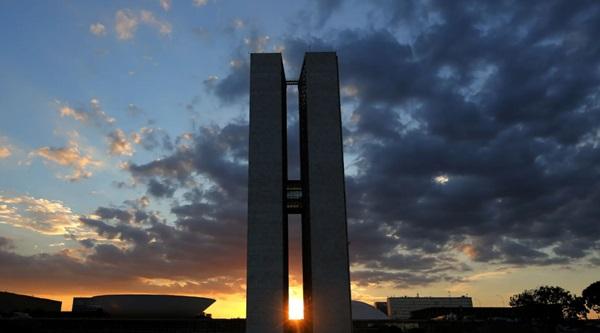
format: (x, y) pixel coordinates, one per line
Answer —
(465, 137)
(106, 270)
(119, 144)
(93, 115)
(200, 3)
(49, 217)
(5, 152)
(98, 29)
(160, 189)
(210, 81)
(71, 157)
(238, 24)
(7, 149)
(125, 24)
(504, 173)
(151, 138)
(470, 144)
(166, 5)
(164, 28)
(256, 43)
(234, 86)
(217, 154)
(325, 8)
(66, 111)
(143, 251)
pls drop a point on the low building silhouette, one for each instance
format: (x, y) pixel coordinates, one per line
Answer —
(142, 306)
(401, 307)
(11, 303)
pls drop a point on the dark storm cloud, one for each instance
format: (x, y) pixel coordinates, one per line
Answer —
(502, 113)
(114, 213)
(206, 241)
(234, 85)
(210, 216)
(474, 128)
(160, 189)
(400, 280)
(121, 231)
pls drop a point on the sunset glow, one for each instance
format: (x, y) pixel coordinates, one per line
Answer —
(295, 302)
(296, 310)
(469, 170)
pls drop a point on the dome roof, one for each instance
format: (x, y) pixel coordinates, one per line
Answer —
(144, 305)
(364, 311)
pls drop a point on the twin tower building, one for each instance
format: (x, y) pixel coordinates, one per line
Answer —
(318, 196)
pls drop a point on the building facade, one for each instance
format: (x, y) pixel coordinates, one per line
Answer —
(401, 307)
(318, 196)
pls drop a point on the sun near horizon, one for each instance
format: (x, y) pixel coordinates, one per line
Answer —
(296, 309)
(295, 302)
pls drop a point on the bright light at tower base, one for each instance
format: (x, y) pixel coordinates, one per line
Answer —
(296, 309)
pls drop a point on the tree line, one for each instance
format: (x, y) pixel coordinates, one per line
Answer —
(571, 306)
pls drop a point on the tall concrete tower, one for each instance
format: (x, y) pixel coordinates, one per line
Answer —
(319, 196)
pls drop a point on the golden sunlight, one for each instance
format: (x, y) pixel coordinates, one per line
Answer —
(296, 310)
(295, 302)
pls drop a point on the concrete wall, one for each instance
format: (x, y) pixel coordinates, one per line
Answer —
(267, 280)
(325, 241)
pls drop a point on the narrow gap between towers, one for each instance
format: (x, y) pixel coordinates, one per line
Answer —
(296, 308)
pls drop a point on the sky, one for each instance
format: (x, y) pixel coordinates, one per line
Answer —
(471, 144)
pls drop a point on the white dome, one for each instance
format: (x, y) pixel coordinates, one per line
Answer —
(364, 311)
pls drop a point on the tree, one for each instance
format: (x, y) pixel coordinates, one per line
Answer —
(572, 307)
(591, 295)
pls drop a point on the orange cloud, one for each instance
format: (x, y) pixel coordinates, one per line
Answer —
(71, 157)
(119, 144)
(5, 152)
(94, 115)
(469, 250)
(49, 217)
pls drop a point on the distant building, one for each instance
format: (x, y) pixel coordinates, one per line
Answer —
(11, 303)
(140, 306)
(381, 306)
(401, 307)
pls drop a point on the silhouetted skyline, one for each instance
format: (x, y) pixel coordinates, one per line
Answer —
(470, 130)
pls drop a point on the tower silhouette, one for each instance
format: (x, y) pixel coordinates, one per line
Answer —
(319, 196)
